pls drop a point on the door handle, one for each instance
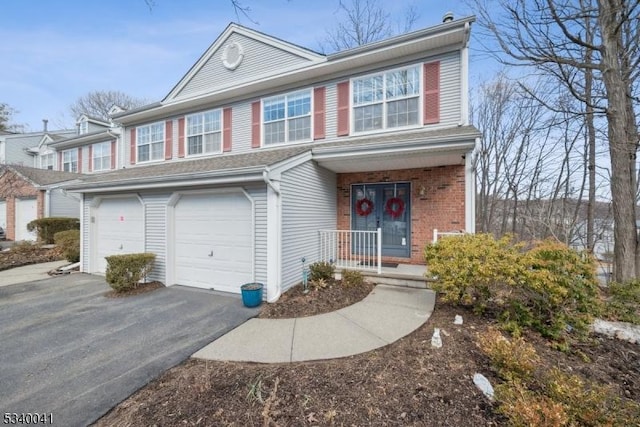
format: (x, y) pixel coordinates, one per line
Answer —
(120, 246)
(211, 253)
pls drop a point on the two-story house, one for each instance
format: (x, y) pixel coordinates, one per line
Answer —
(266, 152)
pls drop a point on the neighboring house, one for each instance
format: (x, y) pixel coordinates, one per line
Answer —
(262, 144)
(30, 193)
(31, 149)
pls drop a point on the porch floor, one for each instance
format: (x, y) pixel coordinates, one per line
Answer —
(408, 275)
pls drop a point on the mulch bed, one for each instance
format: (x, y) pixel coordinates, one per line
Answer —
(405, 383)
(13, 259)
(142, 288)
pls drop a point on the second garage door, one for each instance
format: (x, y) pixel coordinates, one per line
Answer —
(26, 211)
(213, 241)
(120, 229)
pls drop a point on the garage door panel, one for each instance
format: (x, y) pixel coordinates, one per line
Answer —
(213, 241)
(26, 211)
(120, 229)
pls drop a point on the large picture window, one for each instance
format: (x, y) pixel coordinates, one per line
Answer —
(204, 133)
(101, 156)
(287, 118)
(70, 160)
(387, 100)
(150, 142)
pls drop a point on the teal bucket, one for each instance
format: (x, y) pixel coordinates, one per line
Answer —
(251, 294)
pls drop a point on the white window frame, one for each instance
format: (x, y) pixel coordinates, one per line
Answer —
(70, 158)
(203, 132)
(385, 101)
(150, 142)
(286, 119)
(51, 163)
(83, 127)
(98, 148)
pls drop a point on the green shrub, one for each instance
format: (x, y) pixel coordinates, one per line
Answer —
(511, 359)
(124, 272)
(352, 278)
(69, 242)
(321, 271)
(48, 227)
(472, 270)
(623, 302)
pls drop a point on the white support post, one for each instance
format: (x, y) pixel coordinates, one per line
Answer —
(379, 250)
(435, 235)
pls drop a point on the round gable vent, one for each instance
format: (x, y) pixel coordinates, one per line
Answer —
(232, 55)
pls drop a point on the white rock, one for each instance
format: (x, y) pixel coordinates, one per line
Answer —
(620, 330)
(483, 385)
(436, 341)
(457, 320)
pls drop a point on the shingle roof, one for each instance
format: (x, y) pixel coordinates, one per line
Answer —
(43, 176)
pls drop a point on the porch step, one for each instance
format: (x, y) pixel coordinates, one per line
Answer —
(397, 279)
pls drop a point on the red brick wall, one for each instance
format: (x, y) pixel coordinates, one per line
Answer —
(437, 202)
(12, 187)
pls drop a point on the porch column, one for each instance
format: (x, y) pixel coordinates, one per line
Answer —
(470, 192)
(274, 238)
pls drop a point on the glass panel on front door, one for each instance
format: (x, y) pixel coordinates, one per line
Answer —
(386, 206)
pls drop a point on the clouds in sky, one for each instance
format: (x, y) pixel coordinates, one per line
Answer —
(54, 52)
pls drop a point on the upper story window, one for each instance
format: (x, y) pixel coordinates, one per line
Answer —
(101, 156)
(83, 127)
(70, 160)
(150, 142)
(287, 118)
(387, 100)
(204, 133)
(47, 161)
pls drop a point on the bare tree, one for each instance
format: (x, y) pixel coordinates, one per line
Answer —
(98, 103)
(365, 21)
(552, 36)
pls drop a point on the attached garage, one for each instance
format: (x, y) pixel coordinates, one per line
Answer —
(212, 239)
(118, 227)
(26, 211)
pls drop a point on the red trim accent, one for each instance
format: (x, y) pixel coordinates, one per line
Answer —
(90, 165)
(133, 146)
(319, 121)
(343, 108)
(168, 140)
(79, 159)
(432, 93)
(181, 137)
(113, 154)
(226, 129)
(60, 167)
(255, 124)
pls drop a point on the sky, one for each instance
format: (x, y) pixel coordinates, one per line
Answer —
(54, 51)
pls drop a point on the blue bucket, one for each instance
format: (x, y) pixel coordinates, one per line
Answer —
(251, 294)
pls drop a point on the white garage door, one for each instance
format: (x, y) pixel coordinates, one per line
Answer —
(120, 229)
(3, 215)
(213, 241)
(26, 211)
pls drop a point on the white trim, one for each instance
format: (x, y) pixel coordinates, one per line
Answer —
(464, 86)
(286, 119)
(470, 192)
(170, 227)
(93, 229)
(82, 269)
(164, 142)
(186, 133)
(274, 238)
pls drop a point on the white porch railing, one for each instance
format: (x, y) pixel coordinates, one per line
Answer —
(437, 234)
(352, 249)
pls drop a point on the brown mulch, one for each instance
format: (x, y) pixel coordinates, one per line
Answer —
(295, 303)
(405, 383)
(16, 258)
(142, 288)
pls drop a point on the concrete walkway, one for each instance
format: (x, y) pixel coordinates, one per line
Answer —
(387, 314)
(29, 273)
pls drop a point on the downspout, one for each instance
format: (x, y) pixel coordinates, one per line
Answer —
(464, 76)
(47, 203)
(274, 232)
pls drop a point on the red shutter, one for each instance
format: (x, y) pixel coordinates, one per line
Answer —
(133, 146)
(255, 125)
(181, 137)
(90, 166)
(60, 165)
(168, 143)
(113, 154)
(319, 96)
(432, 93)
(343, 109)
(79, 159)
(226, 129)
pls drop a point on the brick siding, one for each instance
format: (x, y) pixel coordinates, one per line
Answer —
(437, 202)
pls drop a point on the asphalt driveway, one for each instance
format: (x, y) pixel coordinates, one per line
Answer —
(69, 351)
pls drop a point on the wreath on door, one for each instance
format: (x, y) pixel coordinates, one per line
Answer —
(394, 207)
(364, 207)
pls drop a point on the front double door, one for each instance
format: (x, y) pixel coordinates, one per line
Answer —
(387, 206)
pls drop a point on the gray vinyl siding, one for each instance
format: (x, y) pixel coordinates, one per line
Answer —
(86, 253)
(259, 195)
(450, 89)
(155, 223)
(63, 204)
(331, 110)
(308, 204)
(241, 127)
(259, 60)
(15, 150)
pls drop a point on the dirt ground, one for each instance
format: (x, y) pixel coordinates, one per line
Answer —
(405, 383)
(14, 258)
